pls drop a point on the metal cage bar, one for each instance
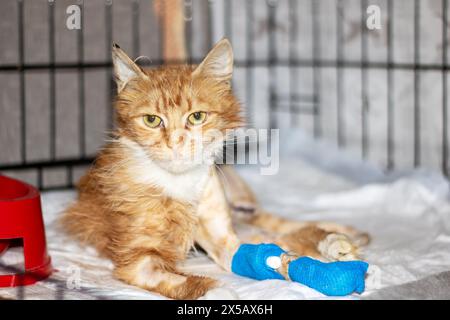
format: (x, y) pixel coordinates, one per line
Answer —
(444, 87)
(81, 92)
(21, 49)
(272, 57)
(249, 65)
(417, 143)
(135, 28)
(390, 87)
(364, 85)
(341, 141)
(293, 72)
(315, 29)
(108, 59)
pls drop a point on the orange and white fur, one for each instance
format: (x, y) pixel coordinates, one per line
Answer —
(144, 206)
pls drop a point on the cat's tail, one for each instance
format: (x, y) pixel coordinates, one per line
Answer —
(172, 21)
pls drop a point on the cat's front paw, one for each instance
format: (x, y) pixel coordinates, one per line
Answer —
(338, 247)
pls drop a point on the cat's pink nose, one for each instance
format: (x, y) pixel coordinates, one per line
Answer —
(176, 142)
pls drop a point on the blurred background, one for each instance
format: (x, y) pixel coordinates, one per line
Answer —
(369, 76)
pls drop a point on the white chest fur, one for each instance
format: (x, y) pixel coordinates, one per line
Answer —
(187, 186)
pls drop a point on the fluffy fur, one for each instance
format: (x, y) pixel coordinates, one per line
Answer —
(144, 202)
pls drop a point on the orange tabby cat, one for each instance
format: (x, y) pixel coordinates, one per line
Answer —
(144, 202)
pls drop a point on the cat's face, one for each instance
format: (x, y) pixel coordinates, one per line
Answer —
(179, 115)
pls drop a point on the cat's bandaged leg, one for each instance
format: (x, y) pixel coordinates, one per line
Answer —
(261, 261)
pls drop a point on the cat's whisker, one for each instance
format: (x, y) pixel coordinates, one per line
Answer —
(225, 178)
(143, 57)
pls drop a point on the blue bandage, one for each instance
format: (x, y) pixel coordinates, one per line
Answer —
(338, 278)
(250, 261)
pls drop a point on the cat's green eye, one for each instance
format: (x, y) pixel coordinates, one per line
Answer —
(152, 121)
(197, 118)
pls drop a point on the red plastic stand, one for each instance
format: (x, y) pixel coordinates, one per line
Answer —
(21, 218)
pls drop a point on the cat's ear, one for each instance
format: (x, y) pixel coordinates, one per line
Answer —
(124, 68)
(218, 64)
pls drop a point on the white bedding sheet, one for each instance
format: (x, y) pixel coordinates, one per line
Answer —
(407, 215)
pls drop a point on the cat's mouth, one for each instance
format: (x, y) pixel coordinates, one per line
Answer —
(182, 162)
(178, 166)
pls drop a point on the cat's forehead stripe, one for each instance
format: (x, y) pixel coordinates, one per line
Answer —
(174, 97)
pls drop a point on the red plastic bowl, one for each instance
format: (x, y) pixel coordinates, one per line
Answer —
(21, 218)
(4, 244)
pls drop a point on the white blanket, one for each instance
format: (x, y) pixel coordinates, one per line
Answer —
(407, 215)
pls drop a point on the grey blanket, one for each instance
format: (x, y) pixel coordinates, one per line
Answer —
(435, 287)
